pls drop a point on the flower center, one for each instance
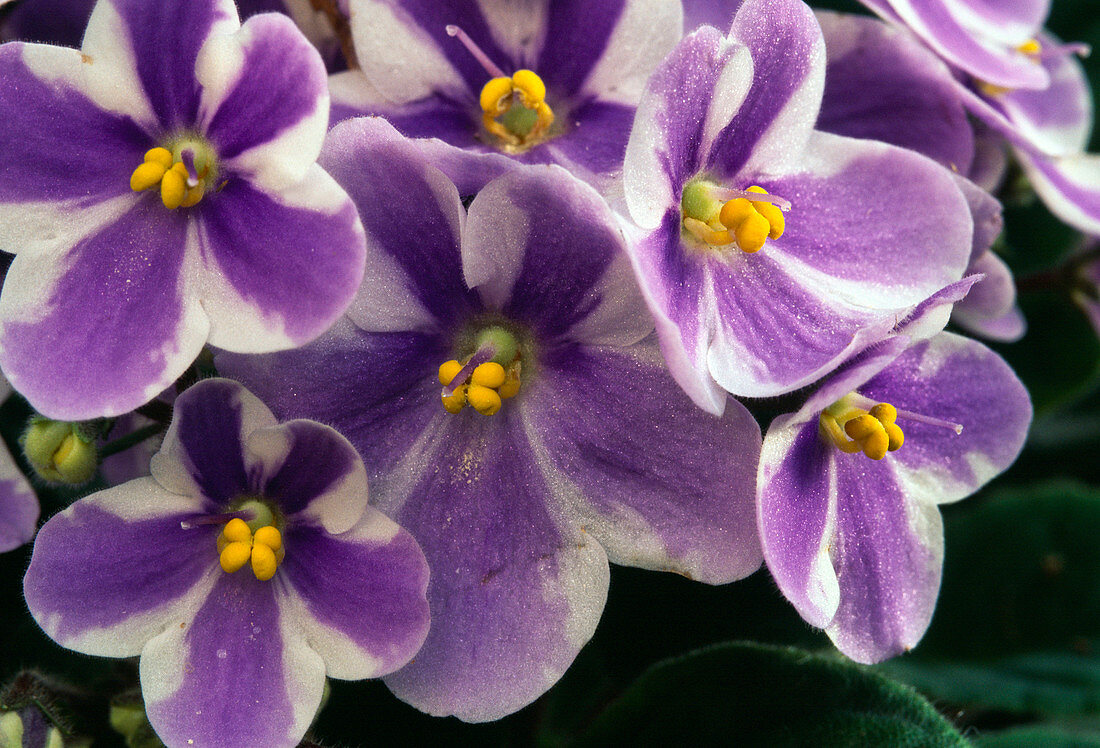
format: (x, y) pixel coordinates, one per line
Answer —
(514, 108)
(182, 170)
(856, 424)
(257, 541)
(485, 378)
(720, 217)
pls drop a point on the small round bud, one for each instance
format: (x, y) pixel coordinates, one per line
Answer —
(59, 452)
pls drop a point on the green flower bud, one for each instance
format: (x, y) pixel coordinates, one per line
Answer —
(60, 452)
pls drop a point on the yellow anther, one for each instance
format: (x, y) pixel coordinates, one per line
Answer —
(495, 95)
(1032, 48)
(268, 536)
(147, 175)
(510, 388)
(489, 374)
(885, 412)
(482, 399)
(752, 232)
(735, 211)
(774, 217)
(194, 195)
(173, 187)
(706, 234)
(236, 531)
(235, 555)
(264, 562)
(530, 87)
(159, 155)
(448, 370)
(455, 402)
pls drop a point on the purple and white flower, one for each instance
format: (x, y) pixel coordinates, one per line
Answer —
(249, 245)
(592, 452)
(765, 301)
(231, 656)
(882, 84)
(428, 67)
(849, 486)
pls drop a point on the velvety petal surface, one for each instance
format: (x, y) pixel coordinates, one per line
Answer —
(990, 309)
(106, 326)
(516, 589)
(275, 270)
(544, 249)
(659, 483)
(961, 381)
(413, 220)
(265, 100)
(882, 84)
(1068, 185)
(237, 673)
(115, 569)
(361, 594)
(18, 505)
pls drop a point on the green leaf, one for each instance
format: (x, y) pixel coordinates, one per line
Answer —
(751, 694)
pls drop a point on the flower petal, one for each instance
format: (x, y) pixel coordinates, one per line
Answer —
(683, 504)
(361, 595)
(413, 220)
(276, 269)
(312, 472)
(990, 307)
(238, 673)
(688, 99)
(882, 84)
(116, 327)
(888, 555)
(203, 452)
(18, 505)
(961, 381)
(515, 589)
(265, 100)
(1068, 185)
(544, 249)
(116, 568)
(770, 128)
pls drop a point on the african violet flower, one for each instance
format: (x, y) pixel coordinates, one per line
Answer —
(881, 83)
(550, 82)
(560, 441)
(748, 297)
(849, 485)
(161, 191)
(18, 504)
(233, 656)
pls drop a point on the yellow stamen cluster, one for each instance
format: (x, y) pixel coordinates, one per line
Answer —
(873, 432)
(748, 223)
(237, 545)
(158, 169)
(1031, 48)
(488, 385)
(521, 126)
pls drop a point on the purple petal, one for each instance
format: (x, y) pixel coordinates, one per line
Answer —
(770, 128)
(888, 555)
(312, 472)
(544, 249)
(18, 505)
(798, 517)
(1068, 185)
(413, 219)
(961, 381)
(105, 327)
(110, 571)
(362, 593)
(596, 143)
(576, 37)
(515, 590)
(882, 84)
(203, 452)
(265, 99)
(161, 41)
(45, 112)
(991, 304)
(378, 389)
(277, 270)
(683, 505)
(237, 674)
(717, 13)
(985, 50)
(690, 96)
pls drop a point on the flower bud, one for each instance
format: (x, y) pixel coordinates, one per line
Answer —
(60, 452)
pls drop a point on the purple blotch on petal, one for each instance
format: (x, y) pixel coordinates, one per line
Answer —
(316, 463)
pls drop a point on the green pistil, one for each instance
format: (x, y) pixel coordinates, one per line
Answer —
(262, 515)
(698, 201)
(502, 342)
(205, 158)
(519, 120)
